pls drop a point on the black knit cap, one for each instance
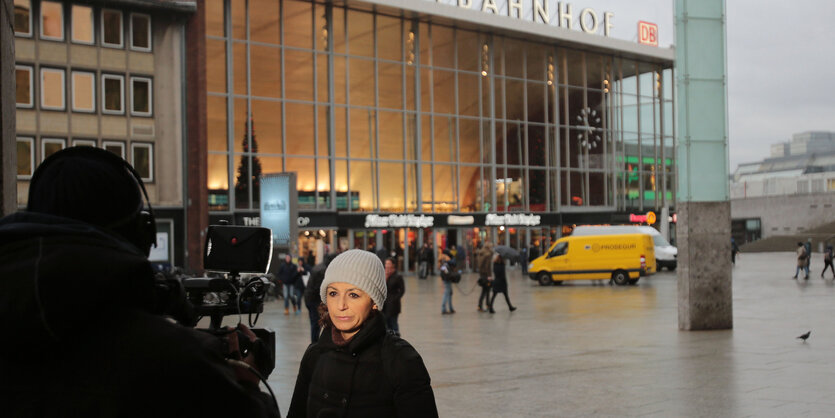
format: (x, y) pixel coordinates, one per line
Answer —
(88, 184)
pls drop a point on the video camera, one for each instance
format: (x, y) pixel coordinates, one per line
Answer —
(230, 251)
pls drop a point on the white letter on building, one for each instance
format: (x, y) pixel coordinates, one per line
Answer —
(564, 14)
(607, 22)
(514, 5)
(490, 4)
(465, 3)
(588, 12)
(542, 12)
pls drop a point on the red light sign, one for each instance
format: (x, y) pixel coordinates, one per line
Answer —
(647, 33)
(649, 218)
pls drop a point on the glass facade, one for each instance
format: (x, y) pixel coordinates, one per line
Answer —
(377, 113)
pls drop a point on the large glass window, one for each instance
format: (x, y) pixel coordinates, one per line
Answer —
(25, 157)
(23, 84)
(52, 20)
(111, 28)
(141, 93)
(52, 89)
(22, 18)
(140, 32)
(113, 94)
(83, 91)
(82, 24)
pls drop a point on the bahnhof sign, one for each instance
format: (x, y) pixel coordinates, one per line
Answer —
(449, 122)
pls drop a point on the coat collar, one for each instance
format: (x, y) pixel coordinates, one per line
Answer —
(372, 331)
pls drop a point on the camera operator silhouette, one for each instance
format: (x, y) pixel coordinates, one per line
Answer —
(85, 333)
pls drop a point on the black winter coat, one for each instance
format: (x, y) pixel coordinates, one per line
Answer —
(499, 277)
(375, 375)
(83, 341)
(395, 288)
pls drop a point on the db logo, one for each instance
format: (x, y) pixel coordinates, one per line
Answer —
(303, 221)
(595, 247)
(647, 33)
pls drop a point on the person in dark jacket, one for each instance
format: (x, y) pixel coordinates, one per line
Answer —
(484, 266)
(312, 299)
(288, 273)
(88, 336)
(299, 285)
(395, 288)
(500, 283)
(357, 369)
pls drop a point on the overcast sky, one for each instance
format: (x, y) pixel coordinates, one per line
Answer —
(781, 65)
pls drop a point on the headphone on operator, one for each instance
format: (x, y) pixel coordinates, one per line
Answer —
(144, 229)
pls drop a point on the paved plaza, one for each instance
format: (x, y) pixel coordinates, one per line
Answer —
(586, 349)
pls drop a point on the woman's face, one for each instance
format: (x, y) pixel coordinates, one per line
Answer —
(348, 307)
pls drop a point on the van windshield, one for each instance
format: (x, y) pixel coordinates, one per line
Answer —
(559, 249)
(659, 241)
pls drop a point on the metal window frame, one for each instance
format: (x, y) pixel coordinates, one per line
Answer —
(31, 70)
(44, 90)
(31, 141)
(41, 25)
(73, 106)
(109, 76)
(150, 147)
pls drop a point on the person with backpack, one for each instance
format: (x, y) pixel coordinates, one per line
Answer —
(357, 369)
(827, 260)
(484, 265)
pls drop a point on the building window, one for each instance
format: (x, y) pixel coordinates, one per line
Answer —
(111, 28)
(82, 24)
(112, 90)
(142, 159)
(140, 32)
(115, 147)
(84, 142)
(52, 89)
(140, 93)
(52, 20)
(83, 91)
(23, 77)
(25, 157)
(23, 18)
(50, 146)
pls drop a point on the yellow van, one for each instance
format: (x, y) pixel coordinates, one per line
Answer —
(622, 258)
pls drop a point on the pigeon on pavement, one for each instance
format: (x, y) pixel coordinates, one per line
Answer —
(805, 336)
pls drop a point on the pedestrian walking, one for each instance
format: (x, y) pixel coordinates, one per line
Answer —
(801, 260)
(523, 259)
(395, 287)
(827, 260)
(500, 283)
(357, 369)
(302, 270)
(484, 265)
(288, 273)
(446, 268)
(734, 251)
(312, 299)
(808, 247)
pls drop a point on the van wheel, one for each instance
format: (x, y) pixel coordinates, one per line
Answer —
(620, 277)
(544, 279)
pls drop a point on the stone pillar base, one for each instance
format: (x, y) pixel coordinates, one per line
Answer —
(704, 266)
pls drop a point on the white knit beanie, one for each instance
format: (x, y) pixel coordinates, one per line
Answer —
(360, 268)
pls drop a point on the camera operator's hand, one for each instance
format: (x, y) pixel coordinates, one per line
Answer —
(247, 356)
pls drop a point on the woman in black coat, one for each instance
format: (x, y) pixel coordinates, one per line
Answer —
(357, 369)
(500, 283)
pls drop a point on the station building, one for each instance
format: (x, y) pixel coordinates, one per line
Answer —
(449, 122)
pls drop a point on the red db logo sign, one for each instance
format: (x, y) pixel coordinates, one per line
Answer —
(648, 33)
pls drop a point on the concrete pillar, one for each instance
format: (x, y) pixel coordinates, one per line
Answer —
(197, 200)
(8, 143)
(704, 225)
